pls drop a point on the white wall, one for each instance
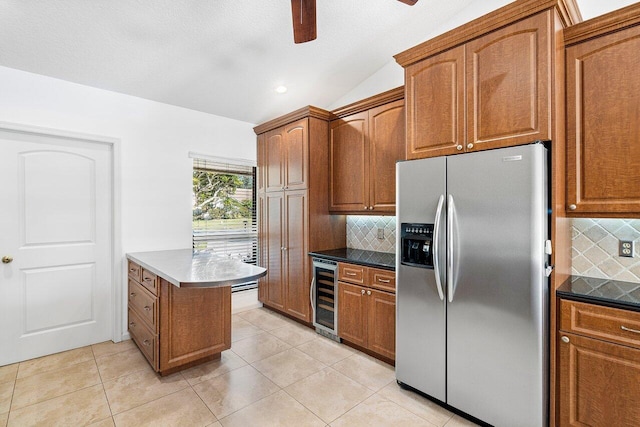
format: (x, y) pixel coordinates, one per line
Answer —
(155, 138)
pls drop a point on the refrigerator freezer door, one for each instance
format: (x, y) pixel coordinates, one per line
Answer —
(497, 319)
(420, 311)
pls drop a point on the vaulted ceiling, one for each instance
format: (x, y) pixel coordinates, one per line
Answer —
(225, 57)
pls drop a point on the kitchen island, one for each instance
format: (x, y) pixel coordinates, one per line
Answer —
(180, 305)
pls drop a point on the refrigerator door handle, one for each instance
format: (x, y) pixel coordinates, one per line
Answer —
(436, 234)
(450, 266)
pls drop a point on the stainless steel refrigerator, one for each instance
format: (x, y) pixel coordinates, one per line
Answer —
(472, 282)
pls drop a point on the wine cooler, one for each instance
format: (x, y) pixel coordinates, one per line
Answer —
(324, 297)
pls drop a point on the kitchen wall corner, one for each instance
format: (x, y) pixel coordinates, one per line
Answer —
(595, 248)
(362, 233)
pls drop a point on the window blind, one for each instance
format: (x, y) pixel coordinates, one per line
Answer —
(224, 210)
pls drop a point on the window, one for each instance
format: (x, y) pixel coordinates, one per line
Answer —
(224, 210)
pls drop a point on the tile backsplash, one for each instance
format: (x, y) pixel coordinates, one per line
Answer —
(595, 248)
(362, 233)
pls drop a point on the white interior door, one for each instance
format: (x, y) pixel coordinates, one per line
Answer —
(56, 224)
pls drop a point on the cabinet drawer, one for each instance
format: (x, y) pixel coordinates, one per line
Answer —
(135, 271)
(384, 280)
(606, 323)
(352, 273)
(143, 337)
(150, 281)
(144, 303)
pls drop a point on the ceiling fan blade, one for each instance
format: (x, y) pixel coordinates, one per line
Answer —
(409, 2)
(304, 20)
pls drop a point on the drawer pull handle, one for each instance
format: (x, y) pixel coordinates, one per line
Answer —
(132, 324)
(146, 307)
(146, 342)
(635, 331)
(349, 273)
(148, 279)
(384, 281)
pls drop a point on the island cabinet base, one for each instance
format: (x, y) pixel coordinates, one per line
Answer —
(176, 328)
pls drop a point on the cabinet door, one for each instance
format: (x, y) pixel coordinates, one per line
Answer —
(352, 313)
(603, 130)
(386, 147)
(296, 255)
(599, 383)
(349, 163)
(260, 163)
(274, 247)
(382, 323)
(263, 243)
(435, 105)
(296, 155)
(273, 155)
(508, 85)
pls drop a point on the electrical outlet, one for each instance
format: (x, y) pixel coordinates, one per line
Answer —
(626, 248)
(381, 233)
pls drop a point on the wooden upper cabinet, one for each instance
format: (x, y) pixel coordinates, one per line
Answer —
(508, 85)
(296, 156)
(286, 156)
(349, 163)
(274, 156)
(365, 142)
(603, 118)
(260, 163)
(435, 105)
(386, 146)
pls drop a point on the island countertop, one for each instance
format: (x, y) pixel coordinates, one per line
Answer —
(188, 268)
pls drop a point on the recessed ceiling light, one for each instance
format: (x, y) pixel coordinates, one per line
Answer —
(281, 89)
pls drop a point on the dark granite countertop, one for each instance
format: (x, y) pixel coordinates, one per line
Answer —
(360, 257)
(612, 293)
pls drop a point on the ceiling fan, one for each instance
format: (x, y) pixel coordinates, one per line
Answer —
(304, 19)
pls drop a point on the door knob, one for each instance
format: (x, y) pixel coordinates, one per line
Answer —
(7, 259)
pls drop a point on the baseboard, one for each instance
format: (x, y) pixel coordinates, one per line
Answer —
(244, 300)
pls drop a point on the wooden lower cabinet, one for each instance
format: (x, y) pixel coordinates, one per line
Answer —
(598, 365)
(599, 383)
(367, 318)
(178, 327)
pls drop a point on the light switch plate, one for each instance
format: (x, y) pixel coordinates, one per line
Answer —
(381, 233)
(626, 248)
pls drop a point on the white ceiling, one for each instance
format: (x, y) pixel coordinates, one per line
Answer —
(225, 57)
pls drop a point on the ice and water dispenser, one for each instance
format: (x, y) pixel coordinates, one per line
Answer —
(417, 245)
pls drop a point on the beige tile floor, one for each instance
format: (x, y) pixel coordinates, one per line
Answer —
(277, 373)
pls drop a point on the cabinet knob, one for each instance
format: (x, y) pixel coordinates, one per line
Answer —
(132, 294)
(284, 249)
(470, 146)
(459, 148)
(368, 292)
(565, 339)
(366, 208)
(146, 342)
(370, 208)
(132, 324)
(362, 291)
(147, 308)
(572, 207)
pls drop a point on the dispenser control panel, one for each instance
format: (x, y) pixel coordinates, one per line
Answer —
(417, 244)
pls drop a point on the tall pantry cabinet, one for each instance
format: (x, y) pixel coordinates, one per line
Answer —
(293, 216)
